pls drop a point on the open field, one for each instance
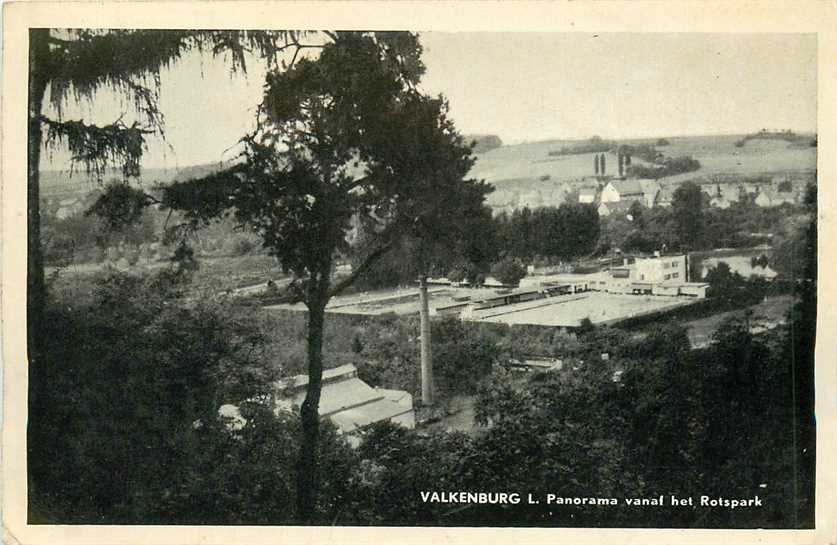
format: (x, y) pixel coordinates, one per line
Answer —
(570, 310)
(525, 167)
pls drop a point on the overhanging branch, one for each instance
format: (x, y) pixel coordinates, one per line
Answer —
(364, 266)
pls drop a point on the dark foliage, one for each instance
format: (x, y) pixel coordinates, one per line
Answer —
(508, 272)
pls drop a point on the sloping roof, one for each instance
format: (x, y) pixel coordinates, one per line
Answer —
(336, 373)
(628, 187)
(353, 418)
(346, 400)
(619, 207)
(731, 192)
(666, 192)
(650, 187)
(777, 197)
(587, 191)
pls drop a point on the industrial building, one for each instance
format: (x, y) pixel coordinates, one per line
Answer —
(347, 401)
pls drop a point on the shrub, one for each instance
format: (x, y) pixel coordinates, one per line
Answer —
(508, 272)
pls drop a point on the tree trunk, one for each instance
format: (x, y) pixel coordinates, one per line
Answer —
(35, 289)
(308, 475)
(426, 353)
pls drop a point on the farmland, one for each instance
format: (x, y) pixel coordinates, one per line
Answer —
(528, 167)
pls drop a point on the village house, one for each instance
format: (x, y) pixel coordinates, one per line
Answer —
(770, 197)
(622, 190)
(650, 190)
(618, 208)
(530, 199)
(720, 202)
(665, 195)
(587, 195)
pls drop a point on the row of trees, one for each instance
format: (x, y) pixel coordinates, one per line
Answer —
(499, 246)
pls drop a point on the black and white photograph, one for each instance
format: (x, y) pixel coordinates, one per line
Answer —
(420, 278)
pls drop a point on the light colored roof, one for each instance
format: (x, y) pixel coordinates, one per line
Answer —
(348, 401)
(360, 416)
(628, 187)
(651, 187)
(340, 373)
(588, 191)
(667, 192)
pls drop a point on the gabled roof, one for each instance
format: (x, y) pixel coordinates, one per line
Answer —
(627, 187)
(650, 187)
(666, 192)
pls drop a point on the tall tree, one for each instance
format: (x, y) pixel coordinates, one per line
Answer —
(76, 64)
(345, 138)
(687, 211)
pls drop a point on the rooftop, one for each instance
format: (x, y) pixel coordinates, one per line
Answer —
(346, 400)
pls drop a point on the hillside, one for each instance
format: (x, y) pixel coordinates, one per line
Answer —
(717, 155)
(483, 142)
(62, 183)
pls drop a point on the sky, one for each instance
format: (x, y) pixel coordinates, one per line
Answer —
(528, 87)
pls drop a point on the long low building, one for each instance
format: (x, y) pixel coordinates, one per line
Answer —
(347, 401)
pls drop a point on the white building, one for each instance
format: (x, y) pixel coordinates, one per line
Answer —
(623, 190)
(658, 275)
(587, 195)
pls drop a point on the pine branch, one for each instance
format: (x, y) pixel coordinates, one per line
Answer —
(97, 147)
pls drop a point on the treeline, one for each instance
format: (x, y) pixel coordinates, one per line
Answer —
(562, 233)
(482, 143)
(594, 145)
(786, 135)
(492, 244)
(665, 166)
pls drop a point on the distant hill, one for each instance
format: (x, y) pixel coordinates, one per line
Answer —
(63, 183)
(717, 154)
(483, 142)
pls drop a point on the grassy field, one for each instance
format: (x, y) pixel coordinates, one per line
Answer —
(528, 167)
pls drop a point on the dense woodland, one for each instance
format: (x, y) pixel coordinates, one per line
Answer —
(126, 381)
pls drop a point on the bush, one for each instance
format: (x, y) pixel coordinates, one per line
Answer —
(508, 272)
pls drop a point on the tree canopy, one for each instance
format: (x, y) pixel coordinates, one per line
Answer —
(345, 141)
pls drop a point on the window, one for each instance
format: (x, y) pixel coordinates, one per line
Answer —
(675, 275)
(675, 264)
(667, 277)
